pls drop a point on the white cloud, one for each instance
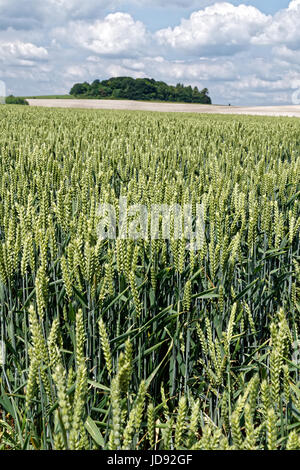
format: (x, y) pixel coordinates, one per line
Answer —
(294, 5)
(21, 50)
(218, 29)
(115, 35)
(283, 28)
(286, 55)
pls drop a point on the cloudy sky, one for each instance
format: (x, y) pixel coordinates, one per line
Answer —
(244, 52)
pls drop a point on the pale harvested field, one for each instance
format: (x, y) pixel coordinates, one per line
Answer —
(292, 111)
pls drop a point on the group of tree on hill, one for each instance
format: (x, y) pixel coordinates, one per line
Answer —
(140, 89)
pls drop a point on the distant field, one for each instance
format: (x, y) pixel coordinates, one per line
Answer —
(68, 102)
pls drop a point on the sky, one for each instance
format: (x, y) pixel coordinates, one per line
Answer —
(245, 52)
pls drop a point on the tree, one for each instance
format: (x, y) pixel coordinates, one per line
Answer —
(16, 100)
(141, 89)
(80, 89)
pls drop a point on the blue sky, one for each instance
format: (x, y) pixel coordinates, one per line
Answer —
(244, 52)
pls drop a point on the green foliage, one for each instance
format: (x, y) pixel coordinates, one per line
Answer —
(146, 344)
(16, 100)
(140, 89)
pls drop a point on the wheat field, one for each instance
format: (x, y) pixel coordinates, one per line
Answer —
(138, 344)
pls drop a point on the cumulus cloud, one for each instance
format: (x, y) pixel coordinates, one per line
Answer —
(19, 53)
(286, 55)
(283, 28)
(218, 29)
(20, 49)
(115, 35)
(294, 5)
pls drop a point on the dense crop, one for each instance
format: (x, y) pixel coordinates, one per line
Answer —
(145, 344)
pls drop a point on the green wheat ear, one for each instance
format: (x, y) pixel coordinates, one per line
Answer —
(180, 423)
(293, 442)
(80, 338)
(151, 424)
(105, 346)
(115, 434)
(81, 389)
(271, 430)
